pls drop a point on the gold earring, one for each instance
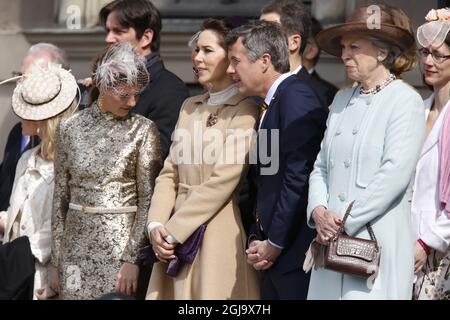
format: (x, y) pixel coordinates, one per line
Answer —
(100, 102)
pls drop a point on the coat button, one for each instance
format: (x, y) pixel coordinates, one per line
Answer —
(355, 130)
(342, 197)
(368, 102)
(338, 132)
(23, 227)
(347, 163)
(352, 101)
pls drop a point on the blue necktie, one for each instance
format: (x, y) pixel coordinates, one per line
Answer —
(24, 140)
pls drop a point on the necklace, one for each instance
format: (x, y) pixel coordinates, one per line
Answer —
(378, 87)
(100, 103)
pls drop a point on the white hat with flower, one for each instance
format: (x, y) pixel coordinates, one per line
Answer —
(435, 30)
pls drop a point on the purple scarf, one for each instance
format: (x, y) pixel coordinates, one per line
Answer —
(184, 253)
(444, 148)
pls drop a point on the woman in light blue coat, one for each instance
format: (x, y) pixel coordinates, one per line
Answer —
(372, 143)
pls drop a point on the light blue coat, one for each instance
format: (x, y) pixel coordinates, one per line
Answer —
(368, 154)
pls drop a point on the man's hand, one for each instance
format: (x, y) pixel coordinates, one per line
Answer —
(252, 252)
(261, 254)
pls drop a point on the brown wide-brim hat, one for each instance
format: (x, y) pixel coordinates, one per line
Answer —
(363, 23)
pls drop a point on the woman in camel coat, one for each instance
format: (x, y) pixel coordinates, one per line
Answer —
(199, 185)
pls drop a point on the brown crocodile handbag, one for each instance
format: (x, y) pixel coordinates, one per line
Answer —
(351, 255)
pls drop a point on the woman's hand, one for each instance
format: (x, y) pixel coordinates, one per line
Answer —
(127, 279)
(163, 250)
(54, 278)
(420, 257)
(327, 224)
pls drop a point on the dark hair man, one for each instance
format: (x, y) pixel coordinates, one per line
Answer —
(139, 22)
(295, 21)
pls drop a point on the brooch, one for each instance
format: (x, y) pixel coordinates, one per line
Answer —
(212, 119)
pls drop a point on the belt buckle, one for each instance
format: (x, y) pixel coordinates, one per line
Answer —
(83, 211)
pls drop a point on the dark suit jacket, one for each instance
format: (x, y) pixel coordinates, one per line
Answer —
(325, 90)
(83, 96)
(328, 90)
(162, 99)
(16, 270)
(8, 166)
(282, 197)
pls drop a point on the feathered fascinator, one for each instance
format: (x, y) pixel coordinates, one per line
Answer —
(121, 68)
(435, 30)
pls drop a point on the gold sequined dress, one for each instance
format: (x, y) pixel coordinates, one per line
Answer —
(103, 162)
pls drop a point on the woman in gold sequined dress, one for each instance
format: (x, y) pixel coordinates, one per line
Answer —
(107, 159)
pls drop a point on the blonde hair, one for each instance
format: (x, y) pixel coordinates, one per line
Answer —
(405, 62)
(48, 130)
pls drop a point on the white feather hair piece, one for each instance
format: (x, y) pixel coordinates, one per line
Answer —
(121, 67)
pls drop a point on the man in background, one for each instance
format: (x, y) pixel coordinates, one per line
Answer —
(311, 56)
(295, 21)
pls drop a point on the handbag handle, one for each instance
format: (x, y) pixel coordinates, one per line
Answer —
(368, 225)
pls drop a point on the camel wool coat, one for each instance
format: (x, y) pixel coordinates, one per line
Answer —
(203, 188)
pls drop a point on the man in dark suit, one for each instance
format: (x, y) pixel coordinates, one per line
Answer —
(16, 145)
(295, 21)
(311, 56)
(290, 132)
(139, 22)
